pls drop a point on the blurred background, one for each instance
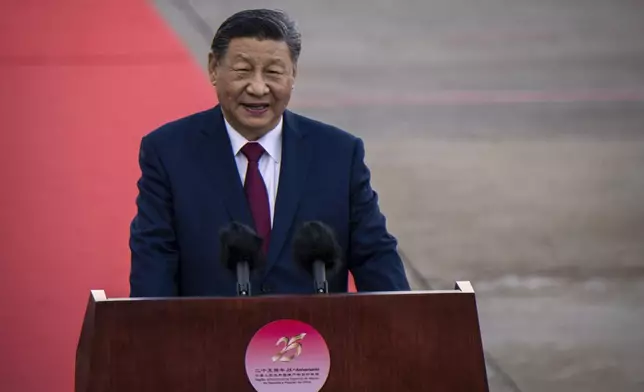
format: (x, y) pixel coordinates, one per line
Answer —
(505, 138)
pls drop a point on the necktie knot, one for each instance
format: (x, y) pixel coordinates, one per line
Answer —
(253, 151)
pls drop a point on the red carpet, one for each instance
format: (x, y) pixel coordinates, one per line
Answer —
(82, 81)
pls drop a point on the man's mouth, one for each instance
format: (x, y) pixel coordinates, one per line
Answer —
(256, 108)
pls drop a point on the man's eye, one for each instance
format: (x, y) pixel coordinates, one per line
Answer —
(274, 72)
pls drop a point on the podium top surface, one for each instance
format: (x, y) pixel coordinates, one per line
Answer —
(460, 287)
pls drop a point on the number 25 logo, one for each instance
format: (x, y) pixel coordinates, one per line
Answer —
(292, 348)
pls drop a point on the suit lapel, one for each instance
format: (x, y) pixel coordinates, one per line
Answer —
(295, 161)
(217, 158)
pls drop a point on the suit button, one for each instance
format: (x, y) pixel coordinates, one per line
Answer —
(266, 288)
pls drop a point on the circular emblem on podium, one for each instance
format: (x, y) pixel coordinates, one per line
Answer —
(287, 355)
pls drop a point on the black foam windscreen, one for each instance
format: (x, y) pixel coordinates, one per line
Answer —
(315, 241)
(240, 243)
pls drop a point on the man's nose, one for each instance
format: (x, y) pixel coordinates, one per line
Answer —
(257, 86)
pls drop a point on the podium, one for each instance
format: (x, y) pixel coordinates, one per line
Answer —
(402, 341)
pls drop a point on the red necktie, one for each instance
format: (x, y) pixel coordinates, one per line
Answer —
(256, 193)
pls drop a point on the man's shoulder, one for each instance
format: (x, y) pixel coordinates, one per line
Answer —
(181, 128)
(321, 130)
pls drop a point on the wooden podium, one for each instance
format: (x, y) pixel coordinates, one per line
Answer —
(409, 341)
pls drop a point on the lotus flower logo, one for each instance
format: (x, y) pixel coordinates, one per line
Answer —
(291, 349)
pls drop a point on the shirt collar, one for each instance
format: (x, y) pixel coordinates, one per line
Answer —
(272, 141)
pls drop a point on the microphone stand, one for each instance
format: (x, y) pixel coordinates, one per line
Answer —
(319, 276)
(243, 279)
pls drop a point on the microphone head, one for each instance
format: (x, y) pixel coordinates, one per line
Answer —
(316, 241)
(239, 243)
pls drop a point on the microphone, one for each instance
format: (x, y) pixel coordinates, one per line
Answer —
(240, 252)
(317, 251)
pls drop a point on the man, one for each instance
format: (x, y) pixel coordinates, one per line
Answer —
(251, 160)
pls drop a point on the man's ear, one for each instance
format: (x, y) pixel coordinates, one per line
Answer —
(212, 68)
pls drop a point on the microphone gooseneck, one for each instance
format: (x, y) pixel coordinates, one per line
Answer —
(319, 277)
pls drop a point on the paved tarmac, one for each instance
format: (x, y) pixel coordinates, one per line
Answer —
(506, 140)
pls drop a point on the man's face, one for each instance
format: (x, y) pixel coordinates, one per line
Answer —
(254, 81)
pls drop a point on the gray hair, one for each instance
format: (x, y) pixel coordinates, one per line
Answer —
(261, 24)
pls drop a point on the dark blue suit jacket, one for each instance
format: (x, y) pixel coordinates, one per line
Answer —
(190, 188)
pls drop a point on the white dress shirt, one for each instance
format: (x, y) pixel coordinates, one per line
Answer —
(269, 163)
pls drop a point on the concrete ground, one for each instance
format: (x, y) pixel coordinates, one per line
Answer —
(506, 139)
